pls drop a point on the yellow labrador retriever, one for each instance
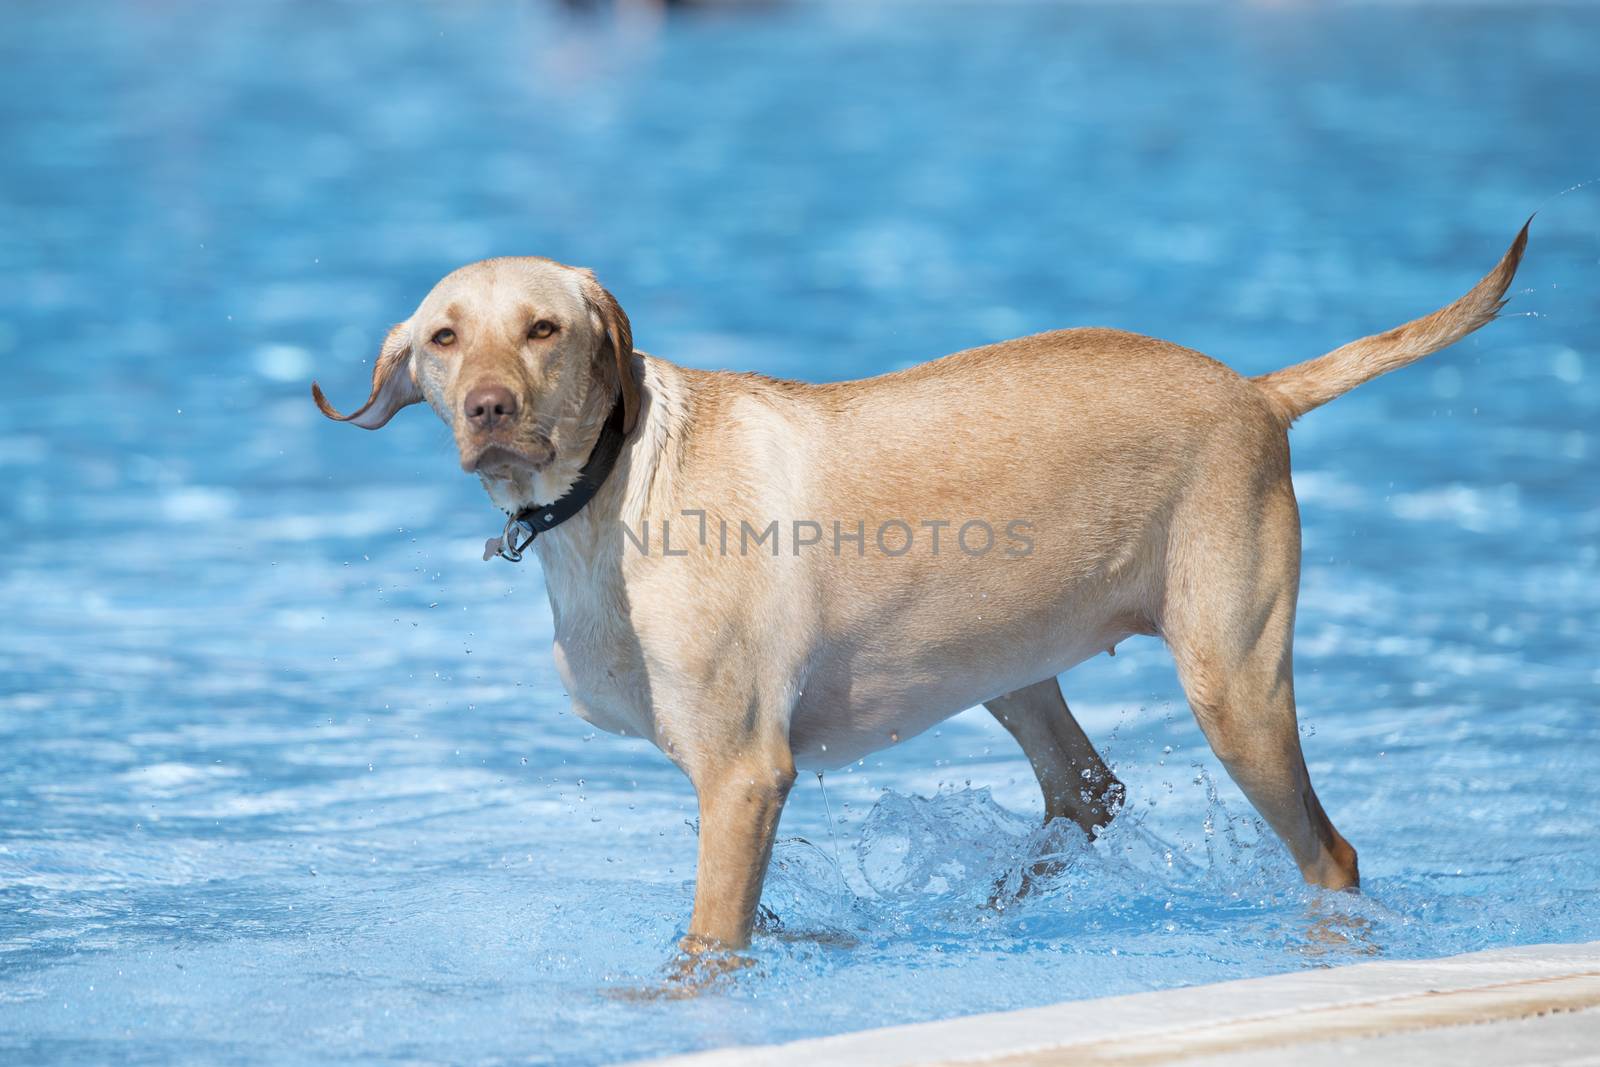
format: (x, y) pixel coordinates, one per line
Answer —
(760, 575)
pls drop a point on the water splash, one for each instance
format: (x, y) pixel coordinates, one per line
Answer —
(958, 867)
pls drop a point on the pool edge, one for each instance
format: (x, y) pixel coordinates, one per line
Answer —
(1497, 990)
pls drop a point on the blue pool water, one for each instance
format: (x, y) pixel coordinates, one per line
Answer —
(288, 774)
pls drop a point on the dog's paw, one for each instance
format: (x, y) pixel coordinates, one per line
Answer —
(698, 968)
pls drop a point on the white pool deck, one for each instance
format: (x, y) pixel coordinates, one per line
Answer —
(1521, 1006)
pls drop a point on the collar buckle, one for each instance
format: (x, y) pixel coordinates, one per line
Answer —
(510, 545)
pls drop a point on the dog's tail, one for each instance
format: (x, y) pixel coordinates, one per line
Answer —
(1295, 390)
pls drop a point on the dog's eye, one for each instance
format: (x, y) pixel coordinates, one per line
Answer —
(541, 329)
(445, 338)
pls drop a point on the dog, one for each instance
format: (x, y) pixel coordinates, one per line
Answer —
(762, 575)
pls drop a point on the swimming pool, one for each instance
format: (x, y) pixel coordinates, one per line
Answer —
(290, 777)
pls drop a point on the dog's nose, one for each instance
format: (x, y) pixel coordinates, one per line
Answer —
(489, 405)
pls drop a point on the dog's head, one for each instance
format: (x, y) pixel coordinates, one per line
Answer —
(511, 353)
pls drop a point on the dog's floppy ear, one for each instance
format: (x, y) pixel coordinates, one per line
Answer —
(619, 337)
(393, 384)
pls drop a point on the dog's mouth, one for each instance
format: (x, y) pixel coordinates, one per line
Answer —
(498, 459)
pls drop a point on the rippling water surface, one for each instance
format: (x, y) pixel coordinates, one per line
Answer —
(289, 776)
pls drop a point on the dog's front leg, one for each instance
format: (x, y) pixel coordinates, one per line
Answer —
(740, 801)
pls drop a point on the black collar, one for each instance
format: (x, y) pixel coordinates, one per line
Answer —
(536, 519)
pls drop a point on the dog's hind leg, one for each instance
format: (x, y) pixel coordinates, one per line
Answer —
(1076, 782)
(1229, 621)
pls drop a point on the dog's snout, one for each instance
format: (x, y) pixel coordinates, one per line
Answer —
(487, 406)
